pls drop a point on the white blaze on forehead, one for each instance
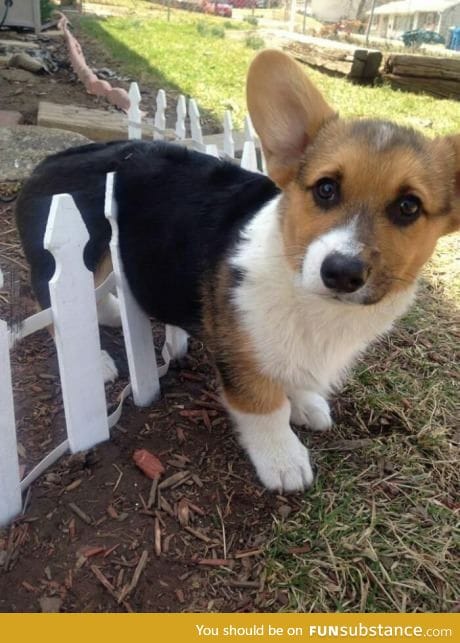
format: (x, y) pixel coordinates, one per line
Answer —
(343, 240)
(383, 136)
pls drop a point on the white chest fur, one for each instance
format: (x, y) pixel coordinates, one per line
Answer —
(300, 338)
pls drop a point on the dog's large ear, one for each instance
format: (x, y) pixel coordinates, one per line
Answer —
(286, 109)
(454, 222)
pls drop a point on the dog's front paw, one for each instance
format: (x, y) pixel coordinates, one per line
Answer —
(311, 409)
(280, 459)
(283, 465)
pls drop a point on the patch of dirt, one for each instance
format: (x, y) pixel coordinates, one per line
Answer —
(22, 90)
(91, 521)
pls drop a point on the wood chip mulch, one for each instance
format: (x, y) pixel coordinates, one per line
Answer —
(98, 534)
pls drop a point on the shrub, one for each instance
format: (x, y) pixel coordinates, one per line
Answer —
(205, 29)
(252, 20)
(255, 42)
(46, 9)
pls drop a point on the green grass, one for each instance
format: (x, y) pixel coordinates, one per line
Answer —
(173, 55)
(380, 523)
(178, 56)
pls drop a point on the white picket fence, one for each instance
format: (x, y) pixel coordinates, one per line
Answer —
(74, 316)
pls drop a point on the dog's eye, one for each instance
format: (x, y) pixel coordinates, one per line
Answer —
(326, 193)
(405, 210)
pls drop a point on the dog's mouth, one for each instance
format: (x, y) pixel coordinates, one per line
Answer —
(369, 294)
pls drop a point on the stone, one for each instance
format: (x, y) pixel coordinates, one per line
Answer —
(9, 118)
(22, 147)
(17, 75)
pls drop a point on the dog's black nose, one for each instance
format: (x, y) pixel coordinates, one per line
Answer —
(343, 273)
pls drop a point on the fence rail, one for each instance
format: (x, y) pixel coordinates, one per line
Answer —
(73, 297)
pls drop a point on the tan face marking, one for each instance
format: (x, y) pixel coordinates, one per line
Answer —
(370, 181)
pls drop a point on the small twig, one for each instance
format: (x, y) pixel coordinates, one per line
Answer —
(81, 514)
(109, 587)
(120, 476)
(249, 552)
(245, 583)
(157, 537)
(216, 562)
(152, 494)
(176, 478)
(136, 576)
(198, 534)
(224, 540)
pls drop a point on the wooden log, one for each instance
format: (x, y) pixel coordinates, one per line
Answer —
(423, 66)
(95, 124)
(434, 86)
(357, 64)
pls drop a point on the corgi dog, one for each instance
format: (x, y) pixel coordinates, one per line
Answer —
(287, 278)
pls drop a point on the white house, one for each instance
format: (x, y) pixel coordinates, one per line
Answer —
(394, 18)
(334, 10)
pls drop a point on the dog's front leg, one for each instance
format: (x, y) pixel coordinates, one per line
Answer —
(280, 459)
(310, 409)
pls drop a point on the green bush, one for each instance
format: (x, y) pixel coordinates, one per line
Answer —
(217, 31)
(252, 20)
(255, 42)
(205, 29)
(46, 9)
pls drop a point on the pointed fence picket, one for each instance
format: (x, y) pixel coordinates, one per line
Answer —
(195, 124)
(181, 114)
(159, 121)
(10, 492)
(76, 330)
(134, 113)
(136, 325)
(229, 143)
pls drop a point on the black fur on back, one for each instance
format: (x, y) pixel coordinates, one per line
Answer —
(179, 215)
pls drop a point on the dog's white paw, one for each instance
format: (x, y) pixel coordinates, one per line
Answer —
(108, 311)
(283, 465)
(311, 409)
(109, 370)
(176, 340)
(280, 459)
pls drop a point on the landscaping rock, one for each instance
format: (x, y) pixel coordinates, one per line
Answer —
(9, 118)
(24, 146)
(17, 75)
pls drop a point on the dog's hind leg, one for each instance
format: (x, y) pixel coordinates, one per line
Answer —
(108, 314)
(108, 308)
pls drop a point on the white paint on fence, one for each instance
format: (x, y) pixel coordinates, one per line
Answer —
(249, 131)
(181, 112)
(159, 122)
(10, 494)
(134, 112)
(229, 143)
(249, 157)
(212, 150)
(195, 124)
(75, 327)
(137, 329)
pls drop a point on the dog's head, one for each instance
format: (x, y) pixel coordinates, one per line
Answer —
(364, 201)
